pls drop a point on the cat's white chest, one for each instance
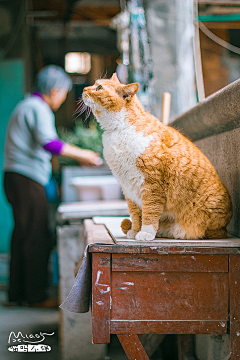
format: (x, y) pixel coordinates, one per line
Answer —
(121, 150)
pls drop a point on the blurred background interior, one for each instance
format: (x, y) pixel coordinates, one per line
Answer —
(156, 42)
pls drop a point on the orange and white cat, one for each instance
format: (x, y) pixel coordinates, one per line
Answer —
(171, 188)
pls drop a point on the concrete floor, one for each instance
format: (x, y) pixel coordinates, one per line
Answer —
(33, 321)
(28, 321)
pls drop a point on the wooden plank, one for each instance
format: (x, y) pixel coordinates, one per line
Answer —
(113, 224)
(170, 263)
(133, 347)
(223, 2)
(168, 327)
(202, 244)
(223, 25)
(166, 103)
(94, 12)
(101, 294)
(165, 248)
(96, 233)
(234, 281)
(169, 296)
(197, 56)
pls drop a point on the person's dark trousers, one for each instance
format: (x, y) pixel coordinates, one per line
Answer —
(31, 241)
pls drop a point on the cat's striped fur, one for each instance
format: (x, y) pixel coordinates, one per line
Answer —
(171, 188)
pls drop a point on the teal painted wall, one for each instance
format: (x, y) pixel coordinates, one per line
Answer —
(11, 92)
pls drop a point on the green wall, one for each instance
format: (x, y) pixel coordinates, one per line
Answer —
(11, 92)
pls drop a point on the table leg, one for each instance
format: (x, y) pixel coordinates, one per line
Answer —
(101, 298)
(234, 284)
(133, 347)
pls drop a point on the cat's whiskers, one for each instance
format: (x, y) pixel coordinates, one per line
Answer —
(88, 112)
(101, 76)
(82, 105)
(80, 100)
(81, 108)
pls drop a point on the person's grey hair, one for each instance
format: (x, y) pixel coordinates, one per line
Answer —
(53, 76)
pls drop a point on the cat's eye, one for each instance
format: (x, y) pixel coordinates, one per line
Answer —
(99, 88)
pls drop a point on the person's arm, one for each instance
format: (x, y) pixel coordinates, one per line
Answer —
(46, 135)
(84, 157)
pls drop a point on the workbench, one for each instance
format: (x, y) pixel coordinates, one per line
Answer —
(75, 330)
(164, 286)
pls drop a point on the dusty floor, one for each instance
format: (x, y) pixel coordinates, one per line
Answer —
(35, 321)
(28, 321)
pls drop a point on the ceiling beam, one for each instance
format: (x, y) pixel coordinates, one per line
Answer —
(101, 3)
(219, 2)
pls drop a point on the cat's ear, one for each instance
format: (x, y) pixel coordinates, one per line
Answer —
(115, 78)
(128, 91)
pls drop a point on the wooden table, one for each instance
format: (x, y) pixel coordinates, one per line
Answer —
(76, 334)
(162, 287)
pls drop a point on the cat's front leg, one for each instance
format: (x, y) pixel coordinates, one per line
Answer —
(152, 207)
(136, 216)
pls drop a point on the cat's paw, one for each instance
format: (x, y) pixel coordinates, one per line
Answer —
(131, 234)
(147, 233)
(144, 236)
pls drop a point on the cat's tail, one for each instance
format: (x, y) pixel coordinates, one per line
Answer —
(126, 225)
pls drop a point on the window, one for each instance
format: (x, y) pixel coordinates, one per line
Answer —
(76, 62)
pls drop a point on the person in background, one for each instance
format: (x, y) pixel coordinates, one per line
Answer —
(31, 140)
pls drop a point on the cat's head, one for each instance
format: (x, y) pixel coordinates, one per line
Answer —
(109, 95)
